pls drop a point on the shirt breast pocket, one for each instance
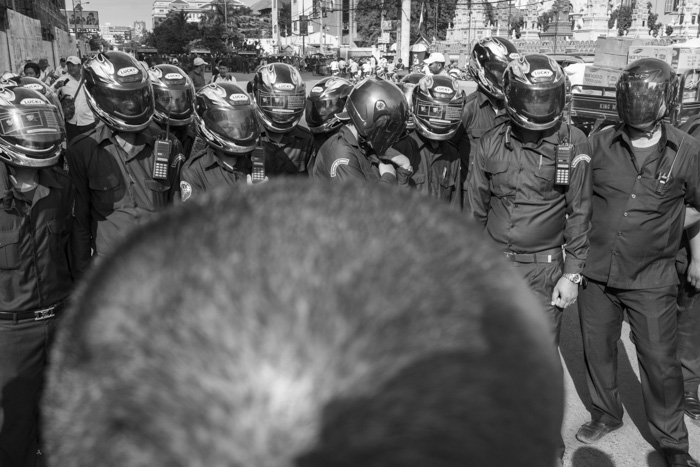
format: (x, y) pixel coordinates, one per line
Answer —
(159, 193)
(9, 250)
(58, 235)
(544, 182)
(106, 191)
(497, 172)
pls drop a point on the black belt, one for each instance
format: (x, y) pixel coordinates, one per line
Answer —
(37, 315)
(546, 256)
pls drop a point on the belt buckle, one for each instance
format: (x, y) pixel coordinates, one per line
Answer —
(46, 313)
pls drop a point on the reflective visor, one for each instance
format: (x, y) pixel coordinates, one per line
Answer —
(493, 71)
(639, 103)
(36, 128)
(438, 114)
(238, 125)
(129, 104)
(175, 102)
(320, 111)
(281, 103)
(385, 132)
(538, 105)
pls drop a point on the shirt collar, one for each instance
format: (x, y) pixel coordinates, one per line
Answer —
(484, 100)
(46, 179)
(103, 132)
(211, 160)
(551, 135)
(668, 137)
(348, 136)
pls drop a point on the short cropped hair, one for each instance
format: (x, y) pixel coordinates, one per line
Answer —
(304, 325)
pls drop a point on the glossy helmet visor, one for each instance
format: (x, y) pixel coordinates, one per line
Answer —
(174, 95)
(325, 101)
(31, 129)
(645, 92)
(280, 96)
(385, 132)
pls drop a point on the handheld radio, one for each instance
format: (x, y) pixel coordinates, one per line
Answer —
(563, 161)
(258, 159)
(162, 153)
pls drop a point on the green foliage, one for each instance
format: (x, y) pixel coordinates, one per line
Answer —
(173, 34)
(285, 19)
(669, 30)
(516, 23)
(489, 15)
(545, 19)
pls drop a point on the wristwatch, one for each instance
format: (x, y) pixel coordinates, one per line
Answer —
(575, 278)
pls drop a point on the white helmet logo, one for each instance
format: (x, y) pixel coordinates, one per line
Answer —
(286, 86)
(173, 76)
(32, 102)
(33, 86)
(128, 71)
(381, 105)
(444, 89)
(541, 73)
(317, 89)
(239, 97)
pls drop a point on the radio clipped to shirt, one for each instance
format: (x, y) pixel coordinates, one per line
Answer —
(563, 164)
(162, 159)
(258, 159)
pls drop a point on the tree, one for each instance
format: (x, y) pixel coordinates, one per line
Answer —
(172, 35)
(623, 16)
(669, 30)
(545, 19)
(516, 23)
(285, 19)
(489, 14)
(652, 21)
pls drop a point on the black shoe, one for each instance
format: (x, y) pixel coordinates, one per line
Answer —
(592, 431)
(680, 460)
(692, 405)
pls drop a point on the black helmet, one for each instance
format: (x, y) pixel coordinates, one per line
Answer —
(646, 92)
(119, 91)
(280, 94)
(174, 95)
(31, 128)
(407, 84)
(225, 118)
(488, 61)
(437, 107)
(378, 110)
(38, 85)
(534, 91)
(325, 100)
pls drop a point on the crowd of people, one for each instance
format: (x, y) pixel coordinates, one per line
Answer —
(610, 218)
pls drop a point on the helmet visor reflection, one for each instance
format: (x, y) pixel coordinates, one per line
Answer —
(128, 104)
(37, 128)
(320, 111)
(438, 114)
(174, 102)
(639, 103)
(538, 105)
(238, 125)
(493, 70)
(385, 133)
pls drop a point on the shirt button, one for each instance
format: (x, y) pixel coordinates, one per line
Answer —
(619, 234)
(625, 214)
(614, 253)
(639, 177)
(634, 196)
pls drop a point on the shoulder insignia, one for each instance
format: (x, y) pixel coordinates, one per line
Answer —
(336, 163)
(185, 190)
(179, 159)
(579, 158)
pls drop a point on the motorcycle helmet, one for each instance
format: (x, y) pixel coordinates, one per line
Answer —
(646, 92)
(31, 128)
(38, 85)
(534, 91)
(325, 101)
(379, 111)
(407, 84)
(488, 61)
(173, 92)
(438, 103)
(119, 91)
(225, 118)
(280, 94)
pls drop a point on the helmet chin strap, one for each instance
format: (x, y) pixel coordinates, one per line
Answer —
(651, 131)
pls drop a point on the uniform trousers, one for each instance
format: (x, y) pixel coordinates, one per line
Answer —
(652, 318)
(689, 333)
(24, 348)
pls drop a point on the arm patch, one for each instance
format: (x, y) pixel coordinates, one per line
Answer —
(579, 158)
(336, 163)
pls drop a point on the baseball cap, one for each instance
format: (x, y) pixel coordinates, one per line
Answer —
(44, 62)
(73, 59)
(435, 57)
(198, 61)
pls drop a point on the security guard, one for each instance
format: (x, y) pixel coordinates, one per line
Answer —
(484, 108)
(325, 101)
(376, 111)
(36, 204)
(124, 170)
(645, 171)
(437, 104)
(225, 119)
(280, 94)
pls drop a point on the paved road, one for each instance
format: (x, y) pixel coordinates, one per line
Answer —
(632, 445)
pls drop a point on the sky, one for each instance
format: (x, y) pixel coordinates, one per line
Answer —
(119, 12)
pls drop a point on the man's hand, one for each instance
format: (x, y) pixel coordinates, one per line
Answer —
(249, 180)
(387, 169)
(400, 161)
(565, 293)
(693, 274)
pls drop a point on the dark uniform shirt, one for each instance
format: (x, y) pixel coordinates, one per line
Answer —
(478, 117)
(34, 234)
(205, 171)
(341, 158)
(116, 191)
(512, 193)
(637, 220)
(292, 155)
(439, 170)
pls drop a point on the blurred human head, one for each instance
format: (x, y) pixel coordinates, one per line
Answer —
(32, 70)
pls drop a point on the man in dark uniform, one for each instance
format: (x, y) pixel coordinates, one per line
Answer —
(644, 173)
(376, 112)
(688, 269)
(484, 108)
(280, 95)
(225, 119)
(118, 179)
(437, 103)
(36, 203)
(325, 101)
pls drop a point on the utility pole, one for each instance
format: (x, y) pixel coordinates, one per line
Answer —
(322, 36)
(405, 43)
